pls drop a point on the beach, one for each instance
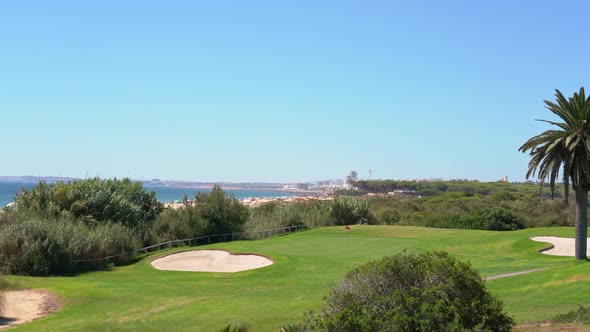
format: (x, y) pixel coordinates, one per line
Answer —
(257, 201)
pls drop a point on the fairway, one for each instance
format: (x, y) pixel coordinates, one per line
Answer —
(139, 297)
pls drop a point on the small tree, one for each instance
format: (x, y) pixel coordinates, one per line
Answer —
(411, 292)
(223, 212)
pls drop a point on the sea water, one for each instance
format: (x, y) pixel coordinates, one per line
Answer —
(165, 194)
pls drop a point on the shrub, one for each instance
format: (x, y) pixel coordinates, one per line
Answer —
(348, 211)
(274, 215)
(462, 198)
(411, 292)
(239, 327)
(281, 214)
(428, 192)
(388, 216)
(48, 247)
(498, 219)
(293, 328)
(223, 212)
(208, 214)
(181, 223)
(491, 219)
(92, 200)
(579, 316)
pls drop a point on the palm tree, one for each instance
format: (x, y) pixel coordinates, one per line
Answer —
(566, 148)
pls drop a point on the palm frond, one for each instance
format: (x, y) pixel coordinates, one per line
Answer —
(564, 151)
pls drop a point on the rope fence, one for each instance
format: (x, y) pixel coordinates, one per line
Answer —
(201, 240)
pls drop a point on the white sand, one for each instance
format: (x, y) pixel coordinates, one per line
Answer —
(562, 246)
(23, 306)
(210, 261)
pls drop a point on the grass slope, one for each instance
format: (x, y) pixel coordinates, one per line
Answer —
(138, 297)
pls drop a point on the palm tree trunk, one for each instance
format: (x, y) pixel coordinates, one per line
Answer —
(581, 222)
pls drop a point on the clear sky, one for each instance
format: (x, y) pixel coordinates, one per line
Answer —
(282, 90)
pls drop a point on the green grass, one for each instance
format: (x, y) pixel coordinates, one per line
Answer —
(138, 297)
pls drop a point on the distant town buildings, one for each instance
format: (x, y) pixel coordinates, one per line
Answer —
(353, 176)
(402, 192)
(297, 186)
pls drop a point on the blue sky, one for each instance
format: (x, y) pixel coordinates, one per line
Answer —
(282, 90)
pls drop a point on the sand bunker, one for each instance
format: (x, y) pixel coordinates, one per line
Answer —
(562, 246)
(23, 306)
(210, 261)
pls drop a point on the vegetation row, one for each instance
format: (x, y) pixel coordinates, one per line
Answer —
(52, 225)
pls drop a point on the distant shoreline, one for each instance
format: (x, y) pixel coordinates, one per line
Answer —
(257, 201)
(235, 187)
(259, 186)
(169, 193)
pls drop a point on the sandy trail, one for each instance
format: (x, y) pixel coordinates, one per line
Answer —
(21, 306)
(513, 274)
(562, 246)
(210, 261)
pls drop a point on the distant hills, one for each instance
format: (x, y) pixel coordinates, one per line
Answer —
(35, 179)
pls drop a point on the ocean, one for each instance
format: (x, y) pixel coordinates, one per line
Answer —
(165, 194)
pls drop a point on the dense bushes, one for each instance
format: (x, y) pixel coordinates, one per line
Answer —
(468, 187)
(277, 214)
(92, 200)
(52, 225)
(223, 213)
(181, 223)
(501, 211)
(491, 219)
(347, 211)
(340, 211)
(411, 292)
(92, 219)
(467, 204)
(208, 213)
(48, 247)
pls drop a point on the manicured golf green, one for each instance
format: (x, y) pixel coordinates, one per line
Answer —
(138, 297)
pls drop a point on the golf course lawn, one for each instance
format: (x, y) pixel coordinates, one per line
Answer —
(139, 297)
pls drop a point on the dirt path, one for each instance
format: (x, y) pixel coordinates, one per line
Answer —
(560, 246)
(23, 306)
(512, 274)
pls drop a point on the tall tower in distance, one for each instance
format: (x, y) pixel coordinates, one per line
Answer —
(349, 179)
